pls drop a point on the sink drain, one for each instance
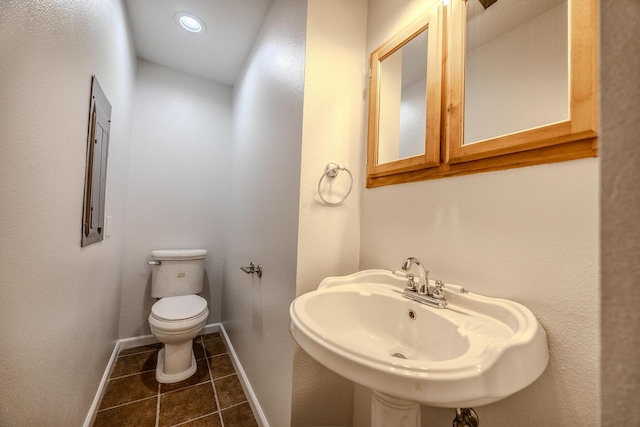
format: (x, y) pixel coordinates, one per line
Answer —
(398, 355)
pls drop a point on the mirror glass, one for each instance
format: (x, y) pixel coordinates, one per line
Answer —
(403, 101)
(516, 67)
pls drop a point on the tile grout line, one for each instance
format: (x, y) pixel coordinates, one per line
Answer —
(182, 423)
(124, 404)
(131, 375)
(235, 405)
(137, 352)
(185, 387)
(235, 373)
(213, 387)
(158, 406)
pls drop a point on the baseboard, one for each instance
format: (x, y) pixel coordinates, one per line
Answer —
(127, 343)
(88, 421)
(246, 384)
(209, 329)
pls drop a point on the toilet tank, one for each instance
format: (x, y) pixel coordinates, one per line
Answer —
(179, 272)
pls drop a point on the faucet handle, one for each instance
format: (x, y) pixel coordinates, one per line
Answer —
(411, 284)
(438, 291)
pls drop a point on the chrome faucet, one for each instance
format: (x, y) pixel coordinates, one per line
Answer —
(422, 293)
(423, 274)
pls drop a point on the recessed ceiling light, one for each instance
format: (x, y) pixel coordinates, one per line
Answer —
(190, 22)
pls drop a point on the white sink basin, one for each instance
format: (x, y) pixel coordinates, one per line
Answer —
(476, 351)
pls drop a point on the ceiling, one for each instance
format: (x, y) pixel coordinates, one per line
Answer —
(217, 54)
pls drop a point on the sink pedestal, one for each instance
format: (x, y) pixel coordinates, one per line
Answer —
(387, 411)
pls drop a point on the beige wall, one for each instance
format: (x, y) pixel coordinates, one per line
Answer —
(531, 235)
(620, 206)
(328, 237)
(59, 304)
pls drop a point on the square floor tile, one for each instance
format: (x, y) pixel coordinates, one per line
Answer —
(239, 416)
(130, 388)
(134, 364)
(141, 413)
(230, 392)
(186, 404)
(221, 366)
(214, 346)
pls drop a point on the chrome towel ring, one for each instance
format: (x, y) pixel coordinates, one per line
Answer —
(331, 171)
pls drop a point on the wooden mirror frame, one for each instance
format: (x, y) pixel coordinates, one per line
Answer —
(582, 121)
(432, 22)
(569, 139)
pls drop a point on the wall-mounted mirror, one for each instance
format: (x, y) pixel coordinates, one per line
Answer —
(405, 98)
(521, 75)
(516, 67)
(517, 87)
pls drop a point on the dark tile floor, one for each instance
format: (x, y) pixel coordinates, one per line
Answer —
(213, 396)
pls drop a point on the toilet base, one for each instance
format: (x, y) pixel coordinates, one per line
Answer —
(163, 378)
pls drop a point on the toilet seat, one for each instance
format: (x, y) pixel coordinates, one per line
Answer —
(179, 309)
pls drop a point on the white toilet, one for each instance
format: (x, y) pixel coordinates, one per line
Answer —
(179, 315)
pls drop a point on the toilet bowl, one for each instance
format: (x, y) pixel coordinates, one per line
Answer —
(179, 315)
(175, 322)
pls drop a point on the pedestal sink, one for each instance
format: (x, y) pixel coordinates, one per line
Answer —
(476, 351)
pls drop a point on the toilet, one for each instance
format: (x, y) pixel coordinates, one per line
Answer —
(179, 314)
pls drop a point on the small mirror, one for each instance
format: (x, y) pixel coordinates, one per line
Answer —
(516, 67)
(521, 76)
(405, 99)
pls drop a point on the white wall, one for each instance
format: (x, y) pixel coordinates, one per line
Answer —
(179, 166)
(262, 206)
(328, 237)
(59, 304)
(530, 235)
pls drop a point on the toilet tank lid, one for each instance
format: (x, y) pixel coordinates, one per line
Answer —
(178, 254)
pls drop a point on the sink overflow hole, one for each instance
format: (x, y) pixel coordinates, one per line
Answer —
(398, 355)
(412, 315)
